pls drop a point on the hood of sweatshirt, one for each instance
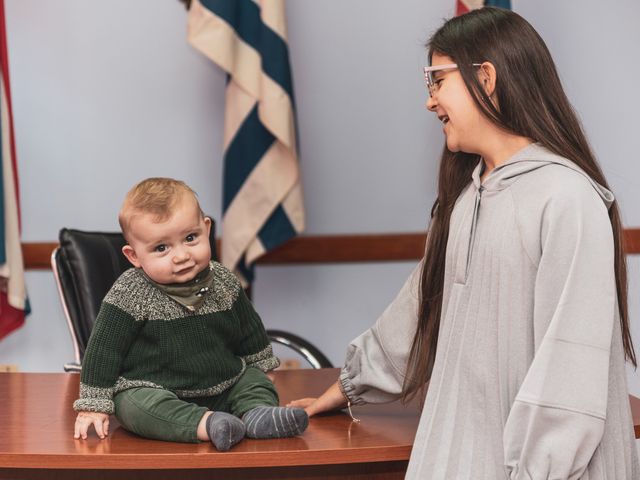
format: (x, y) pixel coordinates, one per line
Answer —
(531, 158)
(528, 159)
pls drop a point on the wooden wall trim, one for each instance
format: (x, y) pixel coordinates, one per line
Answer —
(318, 249)
(632, 241)
(37, 256)
(348, 248)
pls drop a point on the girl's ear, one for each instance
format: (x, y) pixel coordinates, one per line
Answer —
(487, 77)
(130, 253)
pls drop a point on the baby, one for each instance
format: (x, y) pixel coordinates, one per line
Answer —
(178, 352)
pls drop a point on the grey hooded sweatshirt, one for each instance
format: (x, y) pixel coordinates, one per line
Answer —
(529, 379)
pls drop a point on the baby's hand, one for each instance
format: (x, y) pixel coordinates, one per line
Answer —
(304, 403)
(84, 420)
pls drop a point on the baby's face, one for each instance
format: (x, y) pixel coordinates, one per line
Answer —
(174, 250)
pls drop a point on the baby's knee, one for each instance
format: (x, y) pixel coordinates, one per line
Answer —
(158, 414)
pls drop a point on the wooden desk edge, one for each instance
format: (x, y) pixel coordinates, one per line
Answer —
(211, 460)
(635, 414)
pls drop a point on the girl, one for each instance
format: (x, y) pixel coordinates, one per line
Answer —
(515, 322)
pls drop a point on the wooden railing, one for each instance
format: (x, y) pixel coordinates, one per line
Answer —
(316, 249)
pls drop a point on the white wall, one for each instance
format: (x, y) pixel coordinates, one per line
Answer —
(107, 93)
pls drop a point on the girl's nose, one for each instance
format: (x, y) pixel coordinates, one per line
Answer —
(431, 104)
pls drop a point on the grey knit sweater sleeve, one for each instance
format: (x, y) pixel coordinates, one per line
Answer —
(557, 420)
(377, 360)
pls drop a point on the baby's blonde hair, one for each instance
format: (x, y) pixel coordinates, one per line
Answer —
(157, 196)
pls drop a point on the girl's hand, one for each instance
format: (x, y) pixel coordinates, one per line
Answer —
(84, 420)
(332, 399)
(303, 403)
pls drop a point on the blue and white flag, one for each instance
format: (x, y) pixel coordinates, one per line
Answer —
(13, 294)
(262, 204)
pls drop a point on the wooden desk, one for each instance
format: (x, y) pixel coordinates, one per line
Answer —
(36, 439)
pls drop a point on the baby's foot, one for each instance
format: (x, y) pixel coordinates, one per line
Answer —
(275, 422)
(224, 430)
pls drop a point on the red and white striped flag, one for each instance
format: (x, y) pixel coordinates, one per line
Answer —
(14, 304)
(464, 6)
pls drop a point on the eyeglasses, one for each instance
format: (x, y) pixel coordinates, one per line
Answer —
(432, 83)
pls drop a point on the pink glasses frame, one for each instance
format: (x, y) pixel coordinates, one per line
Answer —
(429, 71)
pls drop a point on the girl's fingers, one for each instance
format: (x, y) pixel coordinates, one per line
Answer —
(301, 402)
(106, 427)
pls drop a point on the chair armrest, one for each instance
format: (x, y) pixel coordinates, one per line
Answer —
(301, 346)
(72, 367)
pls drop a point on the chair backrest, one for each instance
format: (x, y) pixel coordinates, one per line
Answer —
(85, 265)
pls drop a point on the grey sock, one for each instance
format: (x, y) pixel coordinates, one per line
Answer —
(275, 422)
(225, 430)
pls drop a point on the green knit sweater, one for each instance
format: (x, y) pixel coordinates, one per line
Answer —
(143, 338)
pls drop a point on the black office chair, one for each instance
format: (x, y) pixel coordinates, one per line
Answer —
(86, 264)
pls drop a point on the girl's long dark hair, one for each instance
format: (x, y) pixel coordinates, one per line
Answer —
(531, 103)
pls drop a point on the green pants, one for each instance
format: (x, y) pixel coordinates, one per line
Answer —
(161, 415)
